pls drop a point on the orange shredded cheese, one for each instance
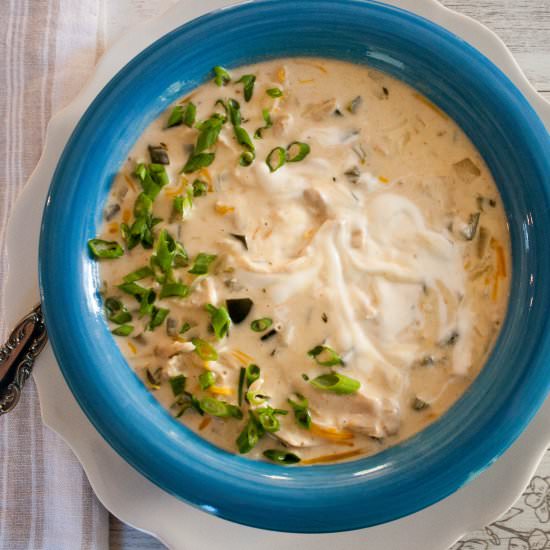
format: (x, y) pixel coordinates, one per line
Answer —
(113, 227)
(130, 183)
(383, 179)
(500, 271)
(132, 348)
(331, 458)
(174, 192)
(281, 74)
(242, 356)
(223, 209)
(220, 390)
(429, 104)
(205, 422)
(307, 81)
(329, 433)
(126, 215)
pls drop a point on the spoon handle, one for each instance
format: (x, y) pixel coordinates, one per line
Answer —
(17, 357)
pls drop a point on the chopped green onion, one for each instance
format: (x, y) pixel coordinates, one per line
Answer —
(101, 249)
(242, 376)
(143, 205)
(204, 350)
(268, 124)
(274, 92)
(266, 417)
(123, 330)
(181, 259)
(207, 379)
(177, 383)
(222, 77)
(158, 315)
(202, 263)
(174, 289)
(301, 411)
(197, 161)
(153, 178)
(182, 114)
(117, 312)
(234, 111)
(138, 274)
(251, 434)
(238, 308)
(248, 82)
(134, 289)
(185, 327)
(200, 188)
(247, 158)
(183, 204)
(146, 302)
(276, 159)
(297, 151)
(219, 320)
(255, 398)
(260, 325)
(243, 138)
(325, 356)
(221, 409)
(336, 383)
(209, 131)
(165, 251)
(281, 457)
(252, 374)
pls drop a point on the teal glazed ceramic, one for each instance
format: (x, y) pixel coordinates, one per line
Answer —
(404, 478)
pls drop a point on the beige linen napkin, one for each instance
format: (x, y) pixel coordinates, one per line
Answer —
(48, 50)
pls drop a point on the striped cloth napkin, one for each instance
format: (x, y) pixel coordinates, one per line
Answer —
(49, 49)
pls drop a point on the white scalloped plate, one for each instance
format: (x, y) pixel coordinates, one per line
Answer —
(135, 500)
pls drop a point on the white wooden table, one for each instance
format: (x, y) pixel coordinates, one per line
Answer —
(524, 25)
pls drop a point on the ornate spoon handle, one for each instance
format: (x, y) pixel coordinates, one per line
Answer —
(17, 357)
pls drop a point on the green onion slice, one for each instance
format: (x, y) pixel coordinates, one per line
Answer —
(185, 327)
(268, 124)
(183, 204)
(325, 356)
(207, 379)
(158, 315)
(219, 320)
(190, 114)
(138, 274)
(204, 350)
(182, 114)
(123, 330)
(276, 159)
(243, 138)
(165, 251)
(255, 398)
(233, 109)
(117, 312)
(221, 409)
(174, 289)
(266, 417)
(281, 457)
(247, 158)
(143, 205)
(336, 383)
(197, 161)
(248, 81)
(101, 249)
(202, 263)
(221, 76)
(301, 411)
(177, 383)
(251, 434)
(297, 151)
(274, 92)
(200, 188)
(252, 374)
(261, 325)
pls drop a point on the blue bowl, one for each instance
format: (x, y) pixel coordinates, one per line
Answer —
(404, 478)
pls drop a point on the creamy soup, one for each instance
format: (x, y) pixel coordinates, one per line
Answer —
(305, 260)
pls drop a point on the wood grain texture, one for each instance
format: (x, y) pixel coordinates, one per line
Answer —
(524, 26)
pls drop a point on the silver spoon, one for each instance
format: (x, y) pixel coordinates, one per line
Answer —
(17, 357)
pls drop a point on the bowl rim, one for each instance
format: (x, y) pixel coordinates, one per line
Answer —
(267, 472)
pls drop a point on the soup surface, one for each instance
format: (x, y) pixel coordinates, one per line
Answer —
(305, 260)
